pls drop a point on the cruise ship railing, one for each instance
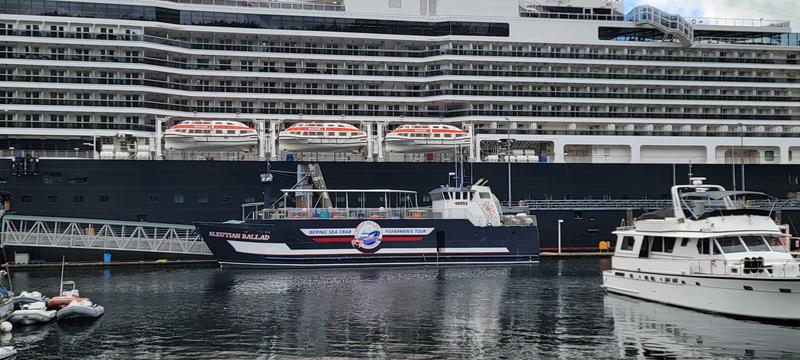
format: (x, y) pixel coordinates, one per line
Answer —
(669, 24)
(55, 232)
(270, 4)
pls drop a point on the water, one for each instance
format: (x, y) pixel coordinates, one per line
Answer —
(553, 309)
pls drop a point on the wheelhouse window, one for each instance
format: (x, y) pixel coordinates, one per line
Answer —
(627, 243)
(756, 243)
(731, 245)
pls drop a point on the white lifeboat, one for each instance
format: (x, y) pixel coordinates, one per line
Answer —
(211, 135)
(423, 138)
(313, 137)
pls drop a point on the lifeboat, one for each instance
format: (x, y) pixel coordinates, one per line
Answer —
(211, 135)
(322, 137)
(424, 138)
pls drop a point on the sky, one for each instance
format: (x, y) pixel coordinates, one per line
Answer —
(743, 9)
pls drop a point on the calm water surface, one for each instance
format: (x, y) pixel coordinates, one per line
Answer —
(555, 309)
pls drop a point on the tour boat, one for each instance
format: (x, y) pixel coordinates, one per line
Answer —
(713, 250)
(210, 135)
(332, 228)
(322, 137)
(422, 138)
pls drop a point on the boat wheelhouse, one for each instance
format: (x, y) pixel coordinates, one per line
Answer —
(714, 250)
(315, 137)
(421, 138)
(210, 135)
(329, 228)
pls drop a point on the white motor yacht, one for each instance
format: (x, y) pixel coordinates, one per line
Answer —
(714, 250)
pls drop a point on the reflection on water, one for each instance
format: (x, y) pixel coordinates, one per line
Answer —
(655, 330)
(554, 309)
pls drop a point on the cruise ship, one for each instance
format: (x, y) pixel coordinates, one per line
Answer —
(558, 99)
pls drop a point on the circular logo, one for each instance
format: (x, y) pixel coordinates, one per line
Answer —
(368, 237)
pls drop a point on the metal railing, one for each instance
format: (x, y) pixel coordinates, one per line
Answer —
(253, 211)
(318, 5)
(738, 22)
(669, 24)
(54, 232)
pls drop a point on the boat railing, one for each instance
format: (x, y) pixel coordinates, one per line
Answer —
(740, 268)
(346, 214)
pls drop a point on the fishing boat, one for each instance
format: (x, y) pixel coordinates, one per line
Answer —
(374, 227)
(322, 137)
(423, 138)
(32, 313)
(713, 250)
(210, 135)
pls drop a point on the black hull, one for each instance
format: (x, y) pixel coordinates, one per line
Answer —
(320, 243)
(188, 191)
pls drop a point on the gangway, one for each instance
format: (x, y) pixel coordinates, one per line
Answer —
(671, 25)
(73, 233)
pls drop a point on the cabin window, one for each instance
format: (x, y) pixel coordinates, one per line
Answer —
(154, 198)
(225, 198)
(669, 245)
(684, 242)
(27, 198)
(53, 177)
(104, 198)
(755, 243)
(731, 245)
(486, 196)
(202, 199)
(52, 199)
(77, 198)
(776, 244)
(627, 243)
(657, 244)
(704, 246)
(178, 199)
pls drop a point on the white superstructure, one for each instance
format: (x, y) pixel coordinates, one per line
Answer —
(570, 80)
(713, 251)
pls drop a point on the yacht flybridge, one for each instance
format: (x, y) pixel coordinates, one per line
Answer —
(714, 250)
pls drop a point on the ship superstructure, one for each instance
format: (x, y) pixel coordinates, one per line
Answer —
(572, 81)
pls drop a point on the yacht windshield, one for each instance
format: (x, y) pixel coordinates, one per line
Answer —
(776, 244)
(755, 243)
(731, 245)
(703, 204)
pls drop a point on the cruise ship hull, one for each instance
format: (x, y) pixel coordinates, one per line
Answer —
(189, 191)
(767, 299)
(330, 243)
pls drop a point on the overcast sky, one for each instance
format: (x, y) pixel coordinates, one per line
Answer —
(747, 9)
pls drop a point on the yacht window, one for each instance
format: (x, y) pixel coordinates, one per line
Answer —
(776, 244)
(486, 196)
(755, 243)
(657, 244)
(731, 245)
(684, 242)
(627, 243)
(669, 245)
(703, 246)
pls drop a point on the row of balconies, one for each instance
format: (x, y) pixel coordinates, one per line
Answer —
(376, 110)
(338, 90)
(384, 88)
(753, 76)
(415, 49)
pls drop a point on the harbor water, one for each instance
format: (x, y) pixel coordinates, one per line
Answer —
(555, 309)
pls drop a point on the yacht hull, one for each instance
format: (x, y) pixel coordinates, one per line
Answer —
(771, 299)
(320, 243)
